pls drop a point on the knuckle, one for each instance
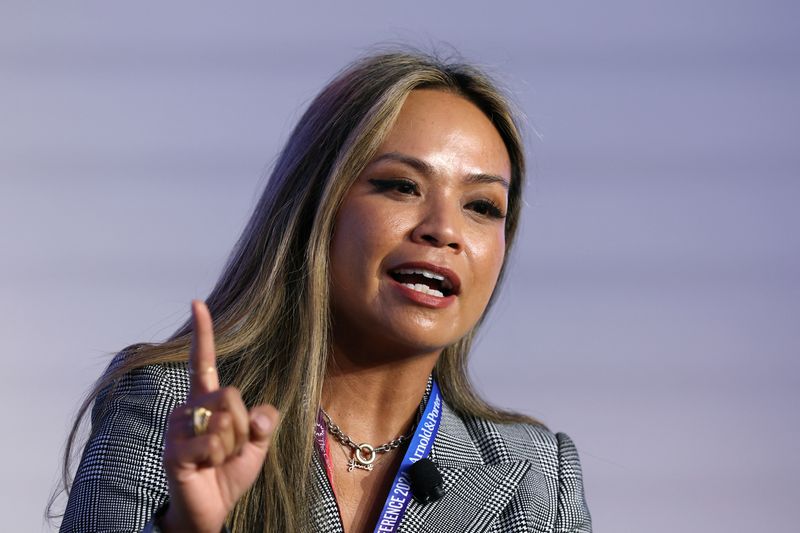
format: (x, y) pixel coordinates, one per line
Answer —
(242, 431)
(214, 444)
(216, 449)
(224, 421)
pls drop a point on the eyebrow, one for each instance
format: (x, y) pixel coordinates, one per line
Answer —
(426, 168)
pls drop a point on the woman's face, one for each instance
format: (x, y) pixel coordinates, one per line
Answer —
(419, 240)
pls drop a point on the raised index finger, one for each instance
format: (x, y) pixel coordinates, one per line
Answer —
(202, 355)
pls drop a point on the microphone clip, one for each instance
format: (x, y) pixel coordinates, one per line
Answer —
(427, 484)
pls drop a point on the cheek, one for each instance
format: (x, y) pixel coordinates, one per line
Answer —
(375, 222)
(489, 249)
(489, 256)
(361, 238)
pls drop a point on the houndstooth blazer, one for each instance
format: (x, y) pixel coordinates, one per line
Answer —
(497, 477)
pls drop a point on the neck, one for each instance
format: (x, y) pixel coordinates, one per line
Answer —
(375, 403)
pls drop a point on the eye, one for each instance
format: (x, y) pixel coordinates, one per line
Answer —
(486, 208)
(400, 185)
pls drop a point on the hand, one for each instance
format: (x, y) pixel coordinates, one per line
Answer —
(209, 472)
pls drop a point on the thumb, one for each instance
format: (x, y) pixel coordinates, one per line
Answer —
(263, 420)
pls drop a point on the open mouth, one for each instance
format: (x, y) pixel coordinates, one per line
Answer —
(424, 281)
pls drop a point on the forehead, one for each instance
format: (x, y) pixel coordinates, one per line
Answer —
(447, 131)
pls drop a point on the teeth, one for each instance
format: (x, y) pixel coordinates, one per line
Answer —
(419, 287)
(427, 273)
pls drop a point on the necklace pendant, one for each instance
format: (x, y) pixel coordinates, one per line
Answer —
(363, 458)
(354, 463)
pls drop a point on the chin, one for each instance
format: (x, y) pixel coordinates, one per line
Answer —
(396, 332)
(418, 340)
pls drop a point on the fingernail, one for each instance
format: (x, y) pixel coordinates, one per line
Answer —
(263, 423)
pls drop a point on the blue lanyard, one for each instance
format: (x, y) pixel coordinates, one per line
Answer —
(420, 447)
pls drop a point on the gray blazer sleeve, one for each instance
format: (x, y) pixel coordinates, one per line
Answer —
(572, 515)
(120, 481)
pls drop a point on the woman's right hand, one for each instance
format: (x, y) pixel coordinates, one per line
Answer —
(208, 473)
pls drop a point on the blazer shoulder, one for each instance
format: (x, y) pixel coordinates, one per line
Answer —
(166, 380)
(499, 442)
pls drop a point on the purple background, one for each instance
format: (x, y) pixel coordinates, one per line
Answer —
(652, 311)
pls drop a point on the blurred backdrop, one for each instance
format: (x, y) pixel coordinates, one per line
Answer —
(653, 307)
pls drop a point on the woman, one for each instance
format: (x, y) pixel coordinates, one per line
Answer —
(349, 304)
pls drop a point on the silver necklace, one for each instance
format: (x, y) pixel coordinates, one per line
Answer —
(363, 454)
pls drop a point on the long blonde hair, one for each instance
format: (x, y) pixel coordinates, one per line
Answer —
(271, 303)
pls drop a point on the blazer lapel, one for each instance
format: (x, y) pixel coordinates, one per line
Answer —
(325, 516)
(475, 493)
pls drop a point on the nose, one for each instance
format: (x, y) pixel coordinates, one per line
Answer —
(440, 225)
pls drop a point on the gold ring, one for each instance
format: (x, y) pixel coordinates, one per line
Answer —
(200, 419)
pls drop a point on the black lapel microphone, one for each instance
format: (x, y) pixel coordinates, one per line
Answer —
(427, 484)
